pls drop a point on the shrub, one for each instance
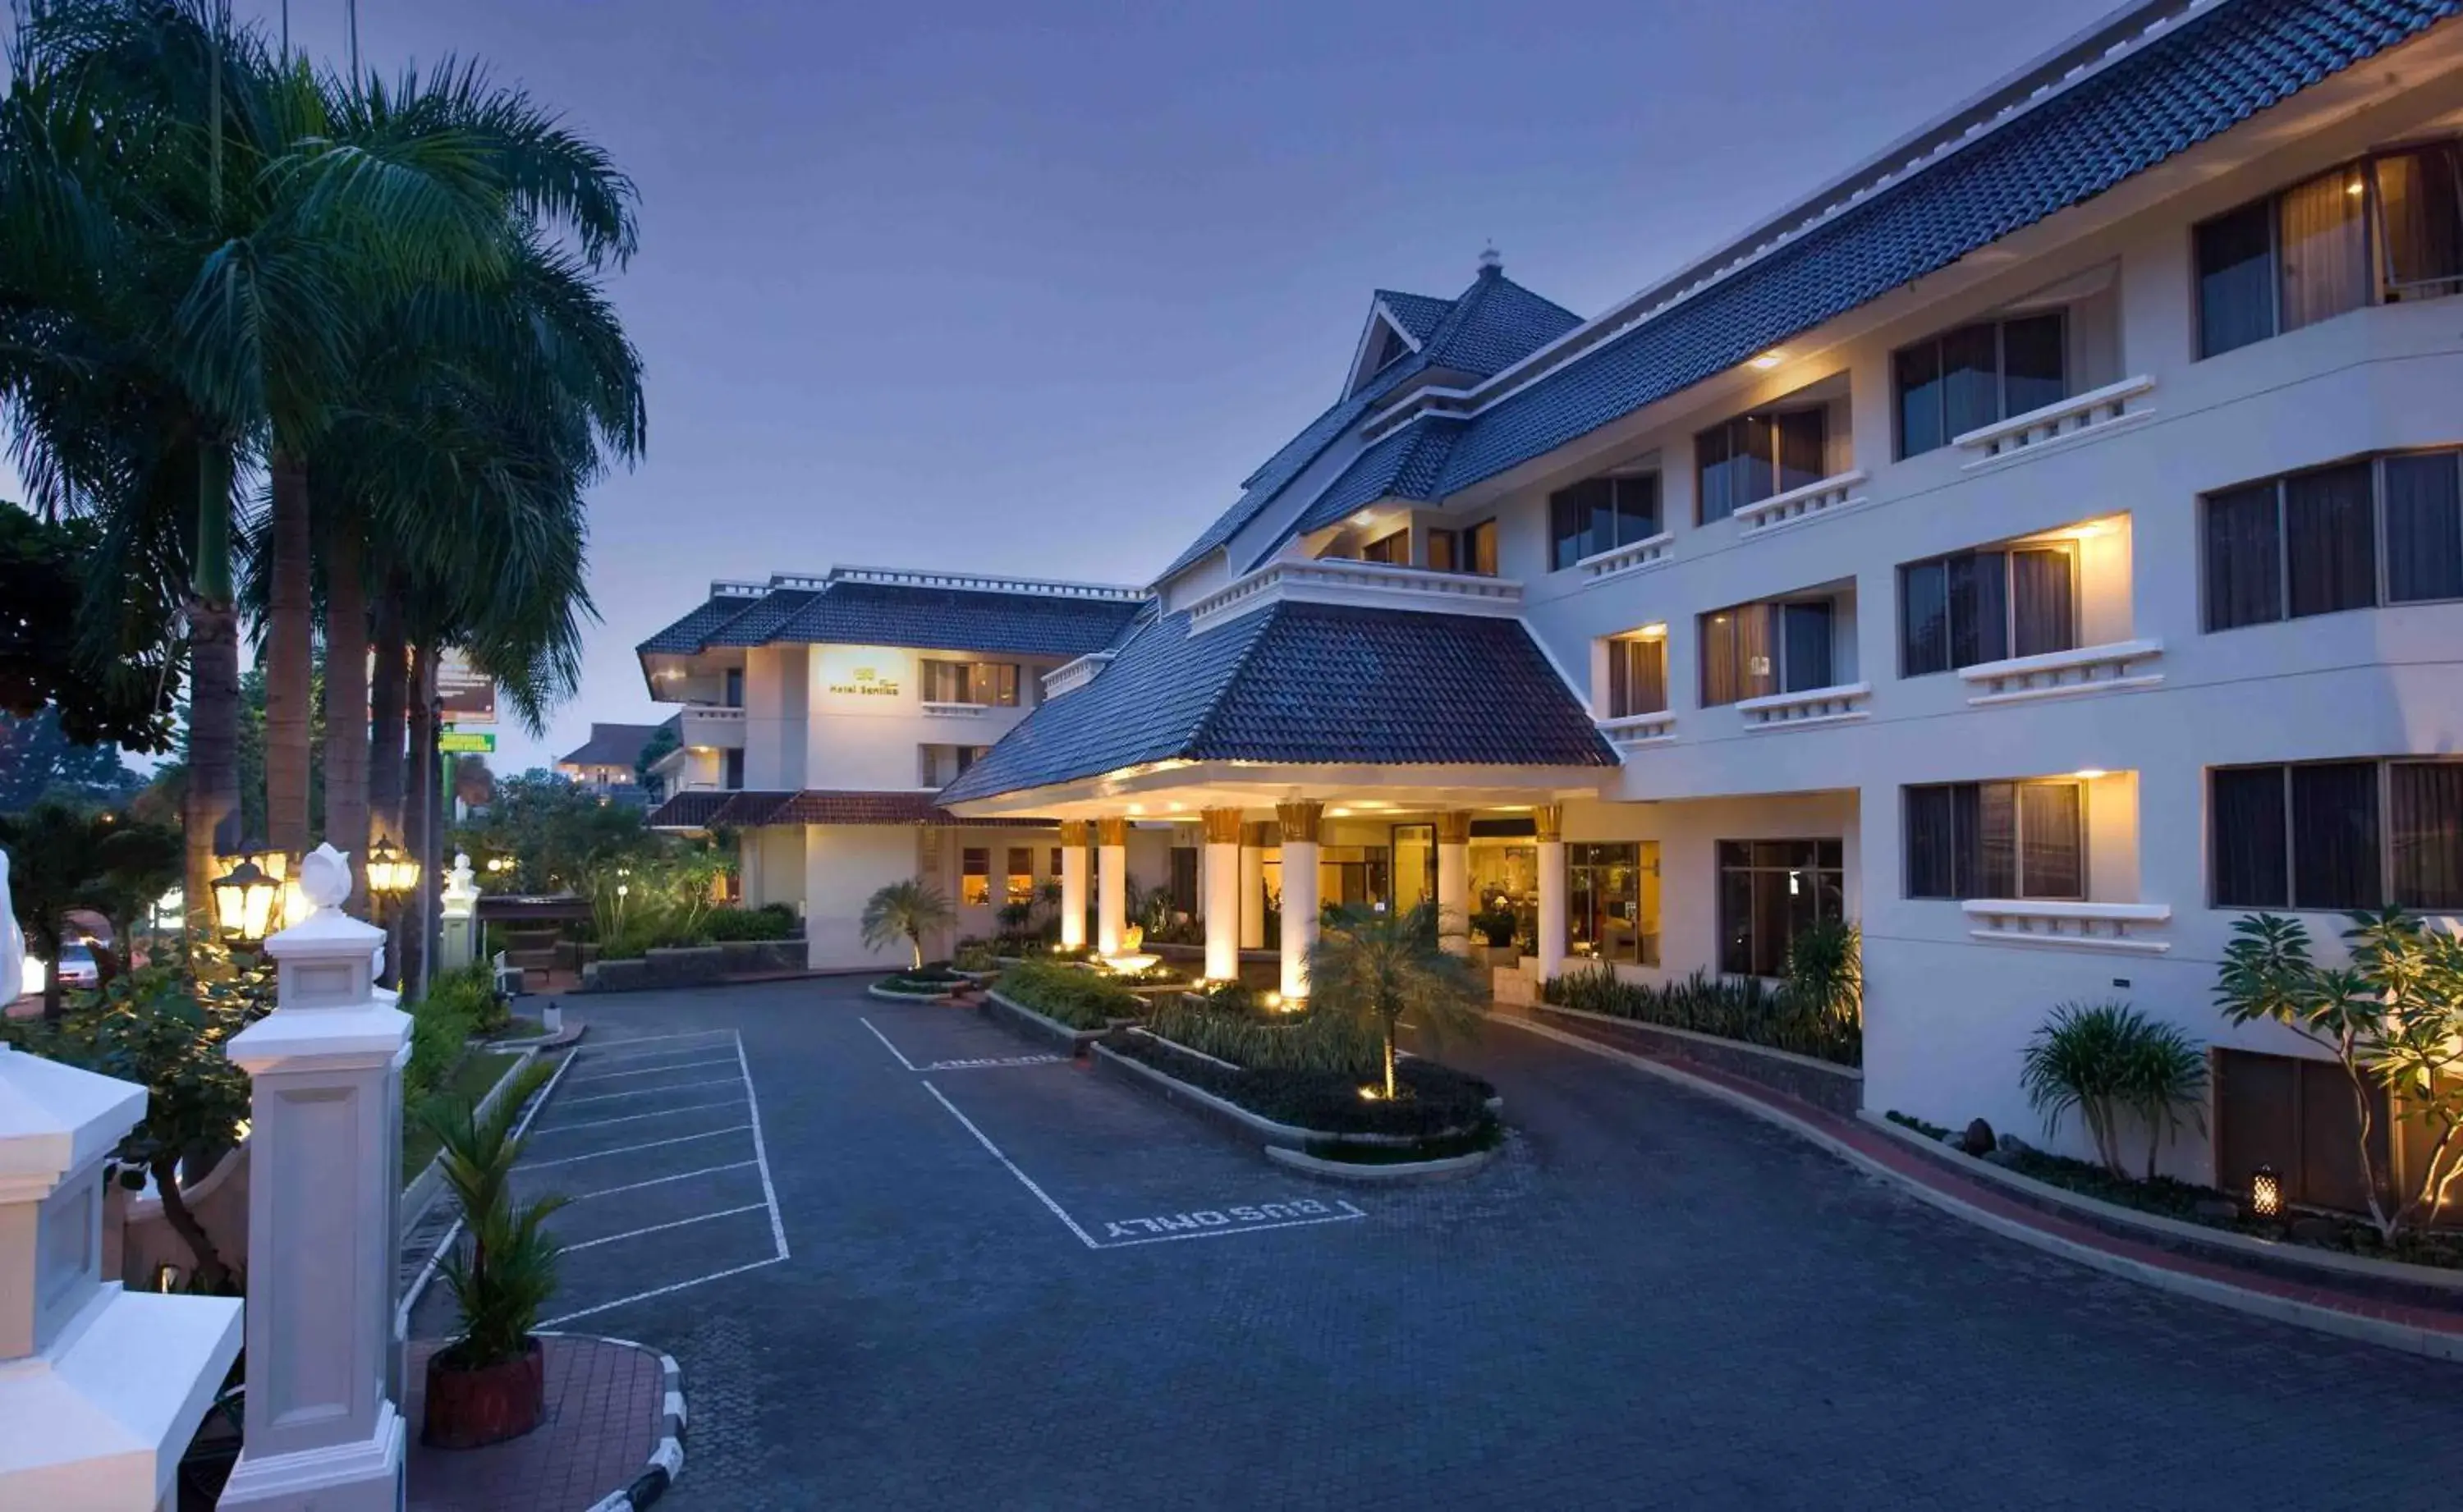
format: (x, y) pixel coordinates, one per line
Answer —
(1080, 998)
(975, 955)
(1825, 972)
(1310, 1042)
(769, 921)
(2105, 1059)
(1495, 926)
(504, 1270)
(1740, 1008)
(1437, 1100)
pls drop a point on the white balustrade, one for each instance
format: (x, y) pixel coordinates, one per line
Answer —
(1071, 676)
(1631, 557)
(2096, 412)
(1639, 729)
(960, 711)
(1341, 580)
(1811, 502)
(2123, 927)
(1786, 711)
(712, 725)
(2066, 674)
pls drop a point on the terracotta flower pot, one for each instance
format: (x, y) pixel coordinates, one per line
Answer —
(467, 1408)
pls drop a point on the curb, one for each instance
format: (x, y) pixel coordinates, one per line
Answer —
(2385, 1331)
(668, 1461)
(876, 990)
(1398, 1174)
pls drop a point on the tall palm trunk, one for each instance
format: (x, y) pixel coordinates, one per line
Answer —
(288, 674)
(419, 811)
(213, 692)
(346, 705)
(385, 713)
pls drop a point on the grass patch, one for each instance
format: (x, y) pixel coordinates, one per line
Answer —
(1437, 1102)
(518, 1027)
(473, 1078)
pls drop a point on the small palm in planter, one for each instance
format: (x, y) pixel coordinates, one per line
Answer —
(490, 1382)
(1374, 970)
(904, 913)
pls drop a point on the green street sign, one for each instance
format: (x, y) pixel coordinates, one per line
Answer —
(464, 742)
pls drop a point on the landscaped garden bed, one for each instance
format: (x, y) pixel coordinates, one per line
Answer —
(1440, 1111)
(1063, 1004)
(927, 983)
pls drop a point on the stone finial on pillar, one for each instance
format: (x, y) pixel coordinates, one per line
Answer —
(100, 1388)
(323, 1217)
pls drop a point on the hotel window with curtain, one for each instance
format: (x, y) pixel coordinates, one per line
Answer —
(1996, 839)
(1759, 455)
(1479, 548)
(2356, 536)
(1611, 910)
(1599, 514)
(1772, 890)
(2337, 836)
(1974, 607)
(1020, 888)
(1756, 650)
(1637, 676)
(1972, 376)
(974, 878)
(983, 683)
(2381, 230)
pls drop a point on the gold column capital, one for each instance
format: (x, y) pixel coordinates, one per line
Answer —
(1253, 835)
(1301, 821)
(1453, 827)
(1222, 826)
(1073, 832)
(1550, 818)
(1112, 831)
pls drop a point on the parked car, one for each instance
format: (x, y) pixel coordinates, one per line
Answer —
(76, 965)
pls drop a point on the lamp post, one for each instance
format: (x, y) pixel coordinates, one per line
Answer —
(390, 874)
(244, 898)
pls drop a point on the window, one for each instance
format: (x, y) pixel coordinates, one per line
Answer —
(1599, 514)
(1637, 676)
(1983, 606)
(1754, 457)
(1055, 872)
(1445, 550)
(1996, 839)
(974, 878)
(2306, 254)
(2309, 544)
(1395, 548)
(1756, 650)
(1976, 375)
(1184, 881)
(733, 696)
(1020, 888)
(1770, 892)
(1479, 548)
(1612, 902)
(2337, 836)
(731, 769)
(1391, 348)
(983, 682)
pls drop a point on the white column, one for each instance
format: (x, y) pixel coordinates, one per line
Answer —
(324, 1221)
(1253, 887)
(1073, 884)
(100, 1388)
(1111, 885)
(1224, 914)
(1454, 881)
(1552, 891)
(1300, 824)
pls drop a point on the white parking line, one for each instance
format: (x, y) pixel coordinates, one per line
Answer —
(605, 1046)
(674, 1054)
(634, 1118)
(661, 1228)
(615, 1076)
(885, 1044)
(649, 1092)
(656, 1180)
(1025, 1180)
(761, 1152)
(659, 1291)
(601, 1154)
(419, 1285)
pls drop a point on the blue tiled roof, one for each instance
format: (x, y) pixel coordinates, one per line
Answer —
(1400, 465)
(1304, 682)
(2179, 90)
(957, 619)
(756, 625)
(1420, 314)
(693, 631)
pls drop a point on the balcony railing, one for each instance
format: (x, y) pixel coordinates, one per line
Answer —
(1341, 581)
(1785, 711)
(712, 725)
(1639, 729)
(949, 709)
(1631, 557)
(2124, 927)
(2066, 674)
(1813, 501)
(2098, 412)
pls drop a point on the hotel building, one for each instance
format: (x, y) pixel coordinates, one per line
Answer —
(2042, 545)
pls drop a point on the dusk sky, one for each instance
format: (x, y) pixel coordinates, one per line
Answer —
(1029, 289)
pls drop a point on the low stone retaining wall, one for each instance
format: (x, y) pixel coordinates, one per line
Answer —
(695, 966)
(1833, 1088)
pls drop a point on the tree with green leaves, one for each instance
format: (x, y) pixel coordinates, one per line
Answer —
(1377, 969)
(38, 760)
(901, 914)
(504, 1270)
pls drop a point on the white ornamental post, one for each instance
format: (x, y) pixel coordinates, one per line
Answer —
(459, 945)
(323, 1217)
(100, 1388)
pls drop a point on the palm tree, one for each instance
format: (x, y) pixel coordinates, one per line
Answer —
(1377, 969)
(905, 911)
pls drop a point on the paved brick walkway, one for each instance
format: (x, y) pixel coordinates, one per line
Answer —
(604, 1405)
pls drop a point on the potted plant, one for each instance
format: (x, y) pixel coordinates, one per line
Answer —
(1495, 926)
(490, 1382)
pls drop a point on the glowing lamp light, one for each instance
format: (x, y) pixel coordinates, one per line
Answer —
(2091, 773)
(390, 873)
(2266, 1193)
(1769, 361)
(244, 900)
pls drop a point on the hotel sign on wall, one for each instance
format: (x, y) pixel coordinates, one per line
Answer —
(873, 677)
